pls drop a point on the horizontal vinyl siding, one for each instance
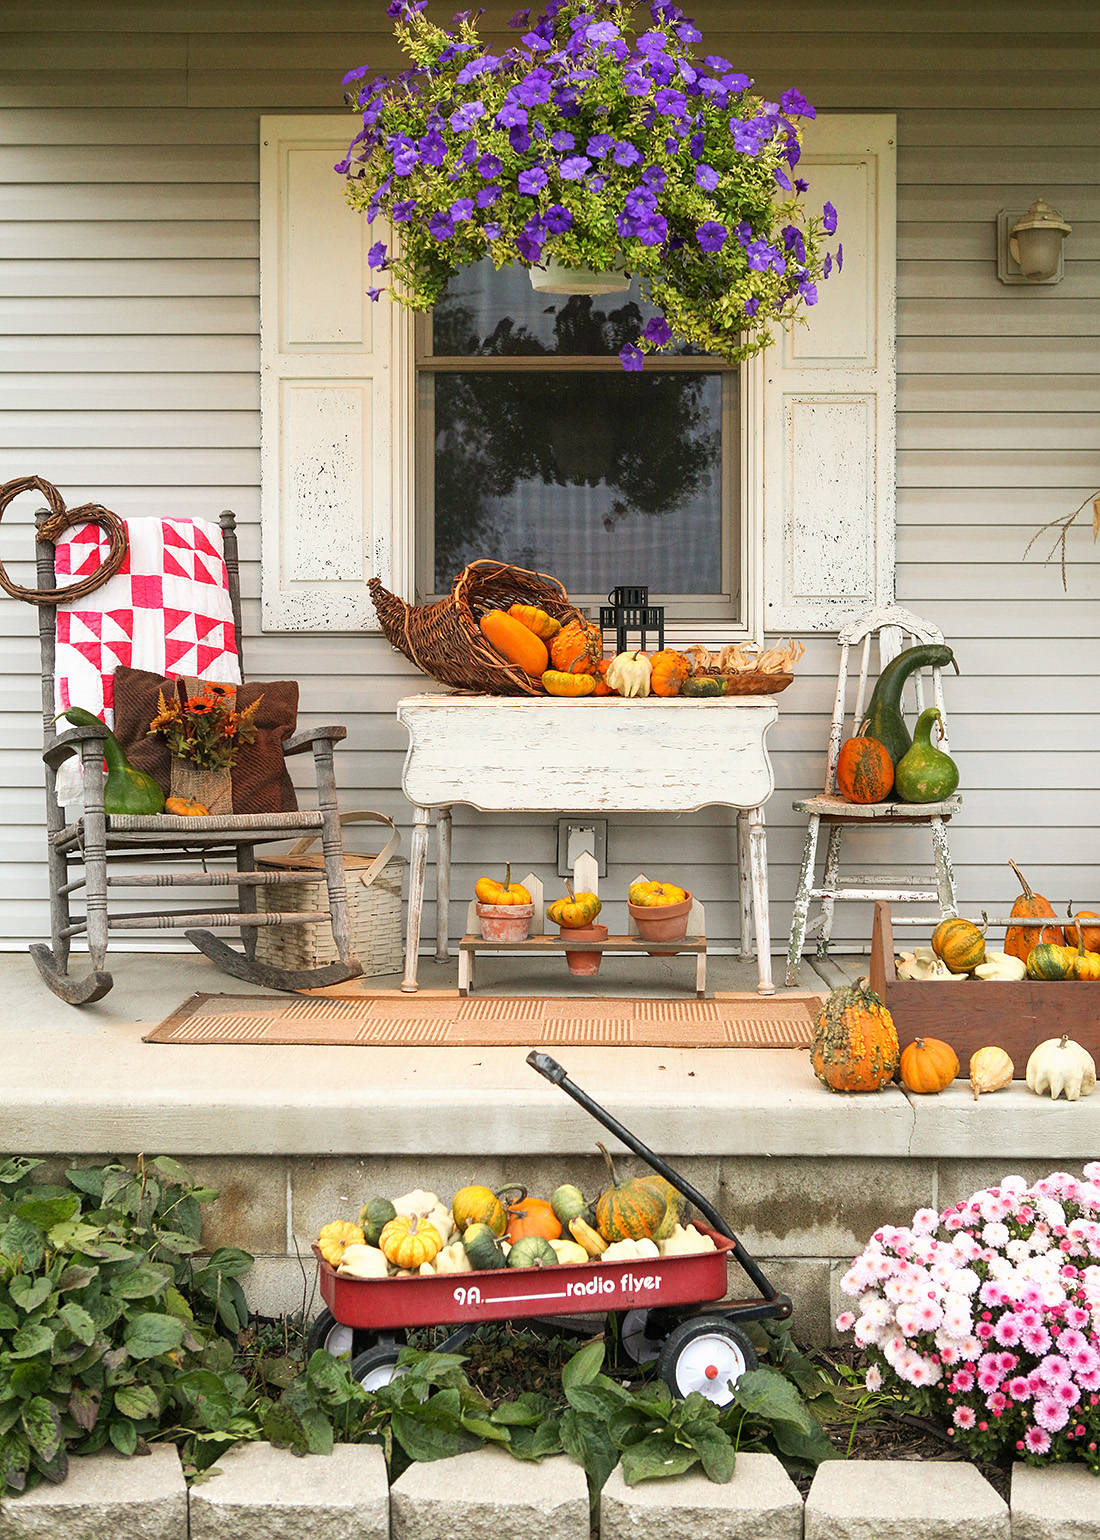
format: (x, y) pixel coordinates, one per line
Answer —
(129, 375)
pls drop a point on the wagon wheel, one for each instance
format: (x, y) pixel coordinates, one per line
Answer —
(707, 1354)
(327, 1334)
(377, 1366)
(634, 1334)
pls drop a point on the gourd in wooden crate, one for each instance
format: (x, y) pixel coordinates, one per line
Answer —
(855, 1046)
(1049, 961)
(1021, 939)
(884, 719)
(960, 943)
(1090, 933)
(864, 771)
(925, 773)
(1084, 966)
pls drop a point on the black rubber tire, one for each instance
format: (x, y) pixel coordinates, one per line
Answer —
(732, 1355)
(377, 1366)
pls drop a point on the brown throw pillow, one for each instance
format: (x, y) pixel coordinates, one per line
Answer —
(260, 780)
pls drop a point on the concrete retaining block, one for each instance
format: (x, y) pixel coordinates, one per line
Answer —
(760, 1503)
(903, 1500)
(1056, 1502)
(490, 1495)
(264, 1493)
(104, 1496)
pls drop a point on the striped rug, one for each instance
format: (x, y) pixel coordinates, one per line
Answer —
(393, 1020)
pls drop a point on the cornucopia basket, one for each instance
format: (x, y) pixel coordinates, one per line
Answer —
(444, 640)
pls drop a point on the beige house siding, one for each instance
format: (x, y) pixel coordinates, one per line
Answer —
(129, 375)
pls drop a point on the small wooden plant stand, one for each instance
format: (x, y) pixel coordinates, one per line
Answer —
(585, 880)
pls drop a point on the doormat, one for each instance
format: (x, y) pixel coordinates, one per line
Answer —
(401, 1021)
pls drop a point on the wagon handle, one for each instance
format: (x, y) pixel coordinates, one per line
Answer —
(551, 1070)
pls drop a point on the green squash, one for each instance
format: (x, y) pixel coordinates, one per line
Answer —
(925, 773)
(884, 720)
(483, 1248)
(126, 789)
(374, 1216)
(703, 687)
(532, 1251)
(568, 1203)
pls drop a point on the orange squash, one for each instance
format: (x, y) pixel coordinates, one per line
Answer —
(515, 641)
(532, 1216)
(577, 648)
(1085, 965)
(1021, 940)
(864, 771)
(928, 1065)
(536, 620)
(555, 682)
(668, 671)
(855, 1045)
(602, 686)
(488, 890)
(1091, 933)
(183, 807)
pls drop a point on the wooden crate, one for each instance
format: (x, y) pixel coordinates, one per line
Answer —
(970, 1015)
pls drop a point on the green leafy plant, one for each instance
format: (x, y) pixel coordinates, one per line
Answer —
(103, 1314)
(600, 142)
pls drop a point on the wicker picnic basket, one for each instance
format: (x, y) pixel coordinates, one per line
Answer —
(374, 906)
(444, 640)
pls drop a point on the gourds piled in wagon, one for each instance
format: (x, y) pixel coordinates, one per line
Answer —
(418, 1235)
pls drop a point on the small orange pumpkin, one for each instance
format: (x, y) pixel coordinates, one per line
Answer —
(864, 771)
(489, 891)
(1085, 965)
(928, 1065)
(577, 648)
(602, 686)
(1021, 940)
(1091, 933)
(668, 671)
(183, 807)
(532, 1216)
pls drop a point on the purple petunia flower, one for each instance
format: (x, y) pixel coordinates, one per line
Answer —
(461, 209)
(519, 139)
(651, 229)
(715, 62)
(599, 145)
(489, 166)
(602, 32)
(528, 247)
(487, 195)
(376, 256)
(651, 42)
(372, 294)
(662, 69)
(752, 305)
(355, 74)
(574, 168)
(403, 210)
(827, 265)
(748, 138)
(440, 226)
(562, 140)
(534, 88)
(466, 116)
(670, 104)
(688, 33)
(595, 183)
(492, 230)
(808, 291)
(697, 145)
(532, 181)
(792, 241)
(625, 154)
(637, 84)
(433, 148)
(487, 64)
(520, 19)
(654, 178)
(795, 105)
(782, 178)
(557, 219)
(632, 358)
(801, 185)
(711, 235)
(405, 161)
(706, 176)
(840, 257)
(511, 115)
(829, 221)
(534, 42)
(341, 167)
(658, 331)
(736, 82)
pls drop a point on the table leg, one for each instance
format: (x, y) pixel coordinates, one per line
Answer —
(744, 885)
(442, 881)
(417, 862)
(758, 865)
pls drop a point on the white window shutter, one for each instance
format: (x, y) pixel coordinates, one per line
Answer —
(334, 399)
(826, 399)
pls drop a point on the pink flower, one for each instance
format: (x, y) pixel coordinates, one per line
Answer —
(965, 1417)
(1018, 1388)
(845, 1320)
(1037, 1441)
(1066, 1393)
(1036, 1339)
(1007, 1330)
(961, 1381)
(873, 1378)
(1050, 1415)
(1054, 1369)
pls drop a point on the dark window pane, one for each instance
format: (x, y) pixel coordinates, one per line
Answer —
(599, 478)
(491, 314)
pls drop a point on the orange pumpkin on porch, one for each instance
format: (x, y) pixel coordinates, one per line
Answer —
(1021, 940)
(855, 1045)
(864, 771)
(1090, 933)
(928, 1065)
(577, 648)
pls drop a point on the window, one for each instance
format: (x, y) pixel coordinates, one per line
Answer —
(535, 446)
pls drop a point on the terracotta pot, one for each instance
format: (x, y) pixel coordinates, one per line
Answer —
(583, 965)
(505, 922)
(661, 922)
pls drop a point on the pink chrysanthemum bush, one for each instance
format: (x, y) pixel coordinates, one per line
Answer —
(987, 1317)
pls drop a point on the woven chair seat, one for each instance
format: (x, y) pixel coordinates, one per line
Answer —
(166, 829)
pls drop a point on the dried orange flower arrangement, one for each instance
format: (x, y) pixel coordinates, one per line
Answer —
(207, 729)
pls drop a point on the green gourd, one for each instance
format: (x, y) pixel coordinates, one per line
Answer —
(483, 1248)
(126, 789)
(532, 1251)
(925, 773)
(374, 1216)
(884, 720)
(703, 686)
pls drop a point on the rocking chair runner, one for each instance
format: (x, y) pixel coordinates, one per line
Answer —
(98, 843)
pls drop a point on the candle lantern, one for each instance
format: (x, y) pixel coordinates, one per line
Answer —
(630, 610)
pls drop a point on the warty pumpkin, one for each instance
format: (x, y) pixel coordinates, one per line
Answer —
(543, 625)
(514, 641)
(928, 1065)
(408, 1240)
(864, 771)
(556, 682)
(855, 1046)
(629, 1208)
(488, 891)
(668, 671)
(577, 648)
(960, 944)
(1021, 939)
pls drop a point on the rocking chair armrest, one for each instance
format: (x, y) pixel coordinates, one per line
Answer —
(312, 737)
(69, 742)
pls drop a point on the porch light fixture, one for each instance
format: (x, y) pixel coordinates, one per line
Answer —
(1030, 250)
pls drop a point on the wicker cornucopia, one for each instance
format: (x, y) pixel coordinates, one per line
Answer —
(443, 639)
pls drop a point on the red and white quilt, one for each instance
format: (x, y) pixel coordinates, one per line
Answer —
(166, 609)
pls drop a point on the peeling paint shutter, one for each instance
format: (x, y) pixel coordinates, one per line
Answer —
(828, 400)
(333, 392)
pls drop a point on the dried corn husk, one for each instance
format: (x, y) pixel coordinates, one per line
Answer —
(990, 1070)
(701, 658)
(781, 659)
(740, 659)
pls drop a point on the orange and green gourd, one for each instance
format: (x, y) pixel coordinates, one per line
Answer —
(855, 1045)
(884, 719)
(864, 771)
(960, 943)
(629, 1208)
(1021, 940)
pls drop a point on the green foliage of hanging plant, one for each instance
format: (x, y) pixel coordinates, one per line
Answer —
(597, 142)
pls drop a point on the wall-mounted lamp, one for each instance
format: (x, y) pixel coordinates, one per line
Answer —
(1030, 249)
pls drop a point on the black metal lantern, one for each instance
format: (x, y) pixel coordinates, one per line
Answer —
(630, 610)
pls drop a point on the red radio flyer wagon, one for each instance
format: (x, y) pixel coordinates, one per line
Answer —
(660, 1300)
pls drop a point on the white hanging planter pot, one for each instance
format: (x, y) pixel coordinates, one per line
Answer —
(556, 278)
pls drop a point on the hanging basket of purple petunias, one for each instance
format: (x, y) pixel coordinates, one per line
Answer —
(603, 141)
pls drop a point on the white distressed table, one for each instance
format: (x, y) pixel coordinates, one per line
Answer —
(535, 754)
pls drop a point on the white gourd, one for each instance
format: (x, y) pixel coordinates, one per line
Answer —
(991, 1069)
(362, 1262)
(999, 965)
(1061, 1067)
(629, 674)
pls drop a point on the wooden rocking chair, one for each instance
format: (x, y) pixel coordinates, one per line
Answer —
(97, 844)
(896, 628)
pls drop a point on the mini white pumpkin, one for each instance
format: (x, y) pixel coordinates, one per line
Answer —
(1062, 1068)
